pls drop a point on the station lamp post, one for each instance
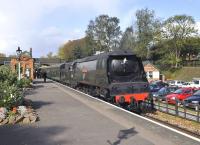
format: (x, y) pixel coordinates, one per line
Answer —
(19, 51)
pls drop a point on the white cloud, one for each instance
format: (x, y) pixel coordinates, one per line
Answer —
(20, 22)
(2, 18)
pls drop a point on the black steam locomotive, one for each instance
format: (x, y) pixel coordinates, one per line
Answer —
(116, 76)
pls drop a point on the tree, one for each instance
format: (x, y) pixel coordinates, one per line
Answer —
(49, 55)
(104, 33)
(90, 37)
(77, 52)
(68, 50)
(191, 48)
(128, 39)
(178, 29)
(65, 52)
(2, 55)
(148, 29)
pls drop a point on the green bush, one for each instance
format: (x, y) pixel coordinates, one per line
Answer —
(24, 83)
(10, 94)
(7, 75)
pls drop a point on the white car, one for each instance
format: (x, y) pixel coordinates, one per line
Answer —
(177, 83)
(196, 83)
(187, 84)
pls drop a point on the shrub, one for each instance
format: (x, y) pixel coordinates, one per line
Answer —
(7, 75)
(10, 94)
(24, 83)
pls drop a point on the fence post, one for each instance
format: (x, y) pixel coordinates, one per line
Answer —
(167, 110)
(152, 104)
(146, 105)
(198, 112)
(184, 110)
(158, 104)
(176, 106)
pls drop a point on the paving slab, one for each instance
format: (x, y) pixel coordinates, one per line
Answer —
(71, 118)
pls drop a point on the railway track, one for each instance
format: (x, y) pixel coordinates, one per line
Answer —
(161, 123)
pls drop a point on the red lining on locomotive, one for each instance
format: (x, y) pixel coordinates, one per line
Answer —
(137, 97)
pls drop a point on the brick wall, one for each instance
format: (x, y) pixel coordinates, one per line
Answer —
(26, 63)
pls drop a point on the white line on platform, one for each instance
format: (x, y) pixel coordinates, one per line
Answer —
(147, 119)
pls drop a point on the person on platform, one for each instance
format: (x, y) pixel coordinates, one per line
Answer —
(45, 76)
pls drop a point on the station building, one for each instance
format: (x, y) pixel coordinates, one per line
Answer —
(152, 72)
(26, 64)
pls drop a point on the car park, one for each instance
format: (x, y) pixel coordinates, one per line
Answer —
(193, 101)
(161, 94)
(179, 95)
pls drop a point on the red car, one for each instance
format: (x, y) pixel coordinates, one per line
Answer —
(179, 95)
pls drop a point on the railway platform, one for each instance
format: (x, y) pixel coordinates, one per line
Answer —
(72, 118)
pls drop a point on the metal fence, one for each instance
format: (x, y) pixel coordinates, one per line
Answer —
(178, 110)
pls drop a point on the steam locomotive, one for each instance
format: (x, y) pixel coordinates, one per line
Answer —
(116, 76)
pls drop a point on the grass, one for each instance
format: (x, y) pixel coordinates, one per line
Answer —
(185, 73)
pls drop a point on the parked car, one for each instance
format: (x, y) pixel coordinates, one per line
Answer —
(161, 94)
(187, 84)
(157, 85)
(193, 101)
(179, 95)
(154, 87)
(196, 83)
(178, 83)
(160, 83)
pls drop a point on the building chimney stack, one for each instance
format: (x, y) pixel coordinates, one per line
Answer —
(31, 52)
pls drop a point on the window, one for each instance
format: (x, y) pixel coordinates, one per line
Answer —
(150, 74)
(196, 82)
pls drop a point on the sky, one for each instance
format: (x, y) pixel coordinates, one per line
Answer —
(45, 25)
